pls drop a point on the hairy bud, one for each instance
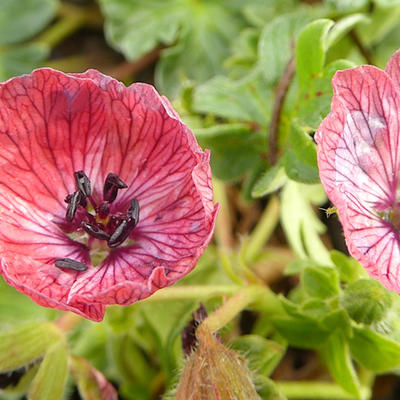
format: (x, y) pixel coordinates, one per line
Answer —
(214, 372)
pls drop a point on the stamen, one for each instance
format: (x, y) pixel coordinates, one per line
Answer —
(68, 263)
(74, 202)
(103, 210)
(133, 211)
(111, 186)
(83, 183)
(95, 231)
(121, 233)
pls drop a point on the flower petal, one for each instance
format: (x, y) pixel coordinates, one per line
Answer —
(393, 69)
(46, 285)
(157, 156)
(358, 157)
(50, 126)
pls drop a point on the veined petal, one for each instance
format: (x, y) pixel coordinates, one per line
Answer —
(51, 125)
(46, 285)
(168, 173)
(358, 157)
(359, 140)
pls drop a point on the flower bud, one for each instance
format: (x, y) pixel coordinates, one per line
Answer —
(214, 372)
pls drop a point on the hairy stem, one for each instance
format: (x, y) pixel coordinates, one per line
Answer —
(263, 230)
(191, 292)
(223, 226)
(68, 321)
(233, 306)
(316, 390)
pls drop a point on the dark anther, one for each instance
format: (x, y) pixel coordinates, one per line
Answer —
(68, 198)
(121, 233)
(133, 212)
(83, 183)
(68, 263)
(73, 204)
(95, 231)
(111, 186)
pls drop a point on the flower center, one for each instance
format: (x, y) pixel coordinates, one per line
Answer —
(85, 216)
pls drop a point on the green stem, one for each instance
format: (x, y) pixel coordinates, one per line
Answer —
(227, 266)
(61, 29)
(223, 226)
(232, 307)
(262, 232)
(190, 292)
(316, 390)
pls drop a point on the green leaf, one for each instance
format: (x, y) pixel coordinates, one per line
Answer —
(300, 158)
(92, 384)
(263, 355)
(244, 53)
(301, 332)
(366, 301)
(302, 227)
(310, 51)
(270, 181)
(246, 100)
(346, 5)
(336, 355)
(342, 27)
(135, 27)
(201, 30)
(267, 388)
(262, 12)
(21, 60)
(235, 149)
(382, 21)
(387, 3)
(25, 343)
(374, 351)
(276, 43)
(16, 308)
(50, 380)
(315, 308)
(129, 359)
(337, 320)
(297, 266)
(314, 103)
(349, 269)
(20, 20)
(321, 282)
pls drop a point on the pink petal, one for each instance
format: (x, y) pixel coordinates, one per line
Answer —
(170, 176)
(53, 124)
(393, 69)
(358, 157)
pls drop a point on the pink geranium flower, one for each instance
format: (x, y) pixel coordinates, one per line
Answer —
(359, 161)
(105, 195)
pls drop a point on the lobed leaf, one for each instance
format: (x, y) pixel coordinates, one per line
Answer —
(51, 377)
(336, 355)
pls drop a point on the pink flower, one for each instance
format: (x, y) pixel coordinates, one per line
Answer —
(359, 161)
(105, 195)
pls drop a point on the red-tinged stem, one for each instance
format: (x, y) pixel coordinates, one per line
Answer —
(68, 321)
(280, 95)
(361, 48)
